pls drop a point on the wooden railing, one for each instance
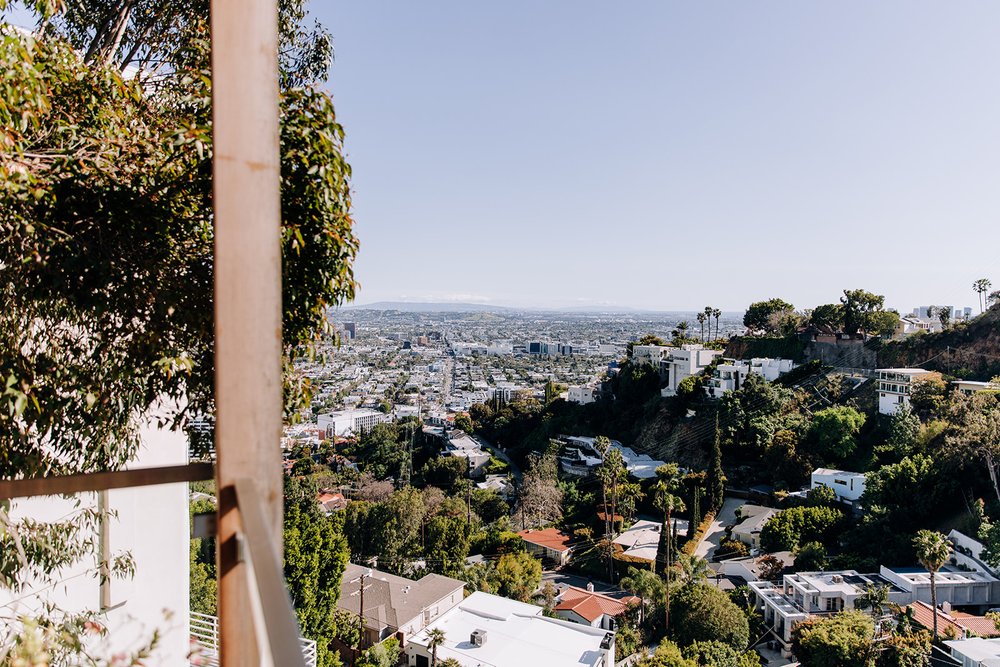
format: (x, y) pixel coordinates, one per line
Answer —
(273, 620)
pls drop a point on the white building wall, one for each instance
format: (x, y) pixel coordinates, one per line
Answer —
(151, 524)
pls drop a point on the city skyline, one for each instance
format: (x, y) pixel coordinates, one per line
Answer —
(542, 157)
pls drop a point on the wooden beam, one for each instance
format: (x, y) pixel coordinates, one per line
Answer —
(279, 622)
(97, 481)
(247, 294)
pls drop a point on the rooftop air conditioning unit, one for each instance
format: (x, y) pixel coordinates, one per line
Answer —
(478, 637)
(837, 579)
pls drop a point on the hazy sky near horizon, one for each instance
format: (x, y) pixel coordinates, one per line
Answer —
(668, 155)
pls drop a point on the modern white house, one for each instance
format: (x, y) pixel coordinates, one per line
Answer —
(805, 594)
(580, 457)
(350, 422)
(650, 355)
(396, 605)
(581, 394)
(972, 387)
(490, 631)
(731, 374)
(848, 486)
(150, 524)
(895, 385)
(682, 363)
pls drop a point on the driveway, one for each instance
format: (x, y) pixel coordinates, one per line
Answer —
(715, 533)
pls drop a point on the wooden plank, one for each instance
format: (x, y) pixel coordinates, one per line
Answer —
(280, 622)
(98, 481)
(247, 263)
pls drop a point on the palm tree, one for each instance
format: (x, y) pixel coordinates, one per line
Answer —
(933, 551)
(692, 568)
(982, 286)
(435, 638)
(645, 585)
(875, 598)
(701, 320)
(716, 313)
(668, 503)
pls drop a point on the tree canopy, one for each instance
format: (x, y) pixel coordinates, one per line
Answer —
(107, 262)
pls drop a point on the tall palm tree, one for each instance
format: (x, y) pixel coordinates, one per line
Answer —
(716, 313)
(435, 638)
(933, 551)
(668, 503)
(701, 320)
(982, 286)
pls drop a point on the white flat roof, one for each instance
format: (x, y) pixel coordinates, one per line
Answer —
(517, 635)
(985, 651)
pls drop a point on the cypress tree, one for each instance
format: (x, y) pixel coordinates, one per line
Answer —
(716, 483)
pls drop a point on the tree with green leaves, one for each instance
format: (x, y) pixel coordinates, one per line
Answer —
(833, 432)
(761, 315)
(517, 576)
(860, 309)
(789, 528)
(316, 556)
(702, 612)
(834, 641)
(716, 478)
(933, 551)
(647, 586)
(613, 476)
(876, 599)
(713, 653)
(828, 316)
(811, 557)
(701, 317)
(108, 255)
(974, 430)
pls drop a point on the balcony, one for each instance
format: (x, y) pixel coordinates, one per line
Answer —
(205, 642)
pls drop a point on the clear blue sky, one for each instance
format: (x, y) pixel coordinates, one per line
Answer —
(671, 154)
(668, 155)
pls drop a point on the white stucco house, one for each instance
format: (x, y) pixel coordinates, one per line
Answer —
(895, 385)
(849, 486)
(682, 363)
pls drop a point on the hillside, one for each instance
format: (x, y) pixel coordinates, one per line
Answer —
(969, 351)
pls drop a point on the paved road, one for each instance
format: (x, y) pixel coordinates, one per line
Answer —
(715, 533)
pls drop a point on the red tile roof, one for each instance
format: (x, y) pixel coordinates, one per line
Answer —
(592, 606)
(550, 538)
(958, 622)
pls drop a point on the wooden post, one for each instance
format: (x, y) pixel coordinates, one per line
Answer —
(247, 296)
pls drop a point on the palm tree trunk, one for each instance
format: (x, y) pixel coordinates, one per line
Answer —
(934, 605)
(666, 576)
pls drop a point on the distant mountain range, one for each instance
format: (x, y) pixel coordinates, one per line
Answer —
(456, 307)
